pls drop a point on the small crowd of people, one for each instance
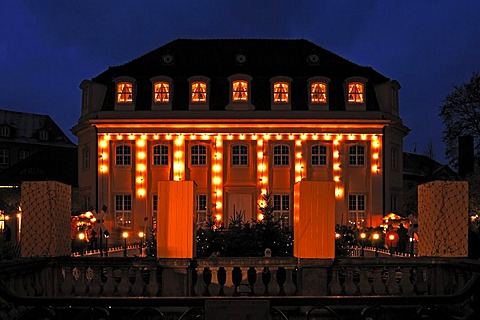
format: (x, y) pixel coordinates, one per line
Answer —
(394, 239)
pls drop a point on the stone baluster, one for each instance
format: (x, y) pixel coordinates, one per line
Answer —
(266, 278)
(152, 286)
(461, 280)
(364, 286)
(259, 287)
(200, 287)
(109, 286)
(244, 280)
(406, 284)
(38, 287)
(214, 287)
(95, 286)
(28, 284)
(228, 287)
(392, 285)
(420, 284)
(349, 285)
(67, 284)
(124, 286)
(335, 287)
(378, 285)
(81, 285)
(289, 287)
(138, 285)
(273, 287)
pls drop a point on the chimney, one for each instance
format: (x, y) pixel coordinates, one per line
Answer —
(465, 155)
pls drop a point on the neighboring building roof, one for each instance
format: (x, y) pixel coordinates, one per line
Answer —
(25, 128)
(423, 168)
(264, 59)
(51, 163)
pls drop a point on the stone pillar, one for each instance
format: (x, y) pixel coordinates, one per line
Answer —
(46, 215)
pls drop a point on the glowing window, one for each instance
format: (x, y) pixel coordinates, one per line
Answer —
(318, 92)
(281, 208)
(198, 155)
(123, 210)
(356, 209)
(124, 92)
(199, 91)
(161, 92)
(355, 92)
(239, 155)
(319, 155)
(123, 155)
(160, 155)
(280, 92)
(240, 90)
(281, 155)
(356, 155)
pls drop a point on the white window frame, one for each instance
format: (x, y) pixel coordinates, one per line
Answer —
(43, 135)
(357, 210)
(125, 158)
(353, 105)
(160, 158)
(162, 105)
(123, 211)
(317, 105)
(281, 208)
(4, 156)
(240, 155)
(199, 105)
(5, 131)
(201, 208)
(281, 105)
(240, 104)
(200, 158)
(321, 158)
(279, 155)
(356, 158)
(125, 105)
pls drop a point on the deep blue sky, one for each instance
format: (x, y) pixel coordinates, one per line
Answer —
(47, 47)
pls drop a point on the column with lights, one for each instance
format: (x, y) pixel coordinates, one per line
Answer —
(141, 166)
(337, 165)
(178, 156)
(103, 166)
(217, 179)
(262, 169)
(375, 153)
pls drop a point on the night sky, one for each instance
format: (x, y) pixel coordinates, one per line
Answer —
(48, 47)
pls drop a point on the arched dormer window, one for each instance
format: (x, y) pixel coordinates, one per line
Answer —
(281, 93)
(199, 93)
(318, 89)
(162, 91)
(240, 93)
(125, 91)
(355, 94)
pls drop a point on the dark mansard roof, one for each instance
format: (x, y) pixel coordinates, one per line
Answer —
(216, 59)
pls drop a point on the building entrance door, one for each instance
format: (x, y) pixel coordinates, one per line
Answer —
(239, 203)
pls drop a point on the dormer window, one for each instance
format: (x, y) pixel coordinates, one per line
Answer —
(43, 135)
(240, 90)
(125, 89)
(5, 132)
(280, 90)
(240, 95)
(355, 94)
(162, 88)
(199, 93)
(124, 92)
(318, 93)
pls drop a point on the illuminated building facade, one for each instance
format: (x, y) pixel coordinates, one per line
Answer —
(240, 118)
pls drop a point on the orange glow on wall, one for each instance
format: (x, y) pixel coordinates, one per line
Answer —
(131, 136)
(141, 192)
(327, 136)
(103, 144)
(141, 155)
(338, 192)
(141, 143)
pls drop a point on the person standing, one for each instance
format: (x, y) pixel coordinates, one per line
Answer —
(402, 238)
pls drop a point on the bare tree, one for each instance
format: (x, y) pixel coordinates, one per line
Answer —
(461, 116)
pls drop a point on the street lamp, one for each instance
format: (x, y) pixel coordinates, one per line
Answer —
(376, 237)
(363, 236)
(125, 236)
(81, 237)
(106, 234)
(141, 235)
(391, 238)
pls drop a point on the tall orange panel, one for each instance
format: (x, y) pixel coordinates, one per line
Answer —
(314, 219)
(175, 219)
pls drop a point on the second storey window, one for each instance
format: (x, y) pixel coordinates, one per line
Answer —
(123, 210)
(123, 155)
(86, 158)
(281, 208)
(161, 92)
(356, 155)
(356, 209)
(240, 90)
(201, 208)
(280, 92)
(356, 92)
(239, 155)
(124, 92)
(318, 92)
(4, 156)
(319, 155)
(281, 155)
(23, 154)
(198, 155)
(160, 155)
(199, 91)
